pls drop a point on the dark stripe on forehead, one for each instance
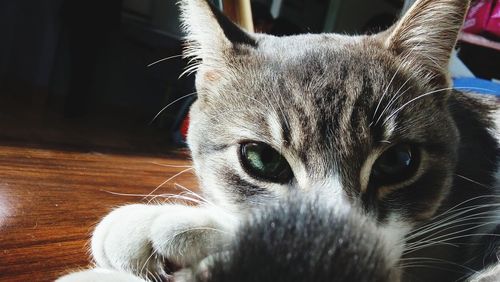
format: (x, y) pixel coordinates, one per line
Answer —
(361, 108)
(304, 140)
(286, 130)
(331, 104)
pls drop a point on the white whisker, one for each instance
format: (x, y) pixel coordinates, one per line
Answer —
(164, 59)
(472, 181)
(448, 215)
(125, 194)
(436, 260)
(401, 64)
(429, 93)
(169, 165)
(147, 260)
(169, 179)
(190, 192)
(454, 225)
(413, 100)
(170, 104)
(391, 102)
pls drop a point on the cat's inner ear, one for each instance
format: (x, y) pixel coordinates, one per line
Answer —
(426, 35)
(210, 35)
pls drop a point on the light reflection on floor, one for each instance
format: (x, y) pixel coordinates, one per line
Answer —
(6, 208)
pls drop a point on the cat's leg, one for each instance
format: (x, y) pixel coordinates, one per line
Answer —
(145, 239)
(99, 274)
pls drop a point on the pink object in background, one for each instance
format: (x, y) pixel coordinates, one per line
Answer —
(493, 25)
(478, 15)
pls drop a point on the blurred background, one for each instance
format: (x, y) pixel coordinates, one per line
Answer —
(82, 74)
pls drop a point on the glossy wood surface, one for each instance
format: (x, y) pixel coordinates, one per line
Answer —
(50, 200)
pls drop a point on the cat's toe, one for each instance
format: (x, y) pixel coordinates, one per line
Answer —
(122, 241)
(155, 240)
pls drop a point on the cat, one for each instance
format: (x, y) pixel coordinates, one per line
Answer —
(368, 124)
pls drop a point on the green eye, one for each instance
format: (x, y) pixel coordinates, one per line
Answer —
(261, 161)
(396, 164)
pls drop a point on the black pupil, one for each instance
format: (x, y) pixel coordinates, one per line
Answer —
(262, 161)
(395, 164)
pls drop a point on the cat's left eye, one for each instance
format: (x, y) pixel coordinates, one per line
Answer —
(396, 164)
(263, 162)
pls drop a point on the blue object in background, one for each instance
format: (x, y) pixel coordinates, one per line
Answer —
(477, 85)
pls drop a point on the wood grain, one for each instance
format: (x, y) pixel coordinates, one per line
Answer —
(50, 199)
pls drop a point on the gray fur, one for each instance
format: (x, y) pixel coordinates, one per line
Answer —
(329, 103)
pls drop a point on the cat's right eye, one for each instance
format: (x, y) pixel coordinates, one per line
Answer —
(261, 161)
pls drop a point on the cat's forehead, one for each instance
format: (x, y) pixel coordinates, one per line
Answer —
(296, 45)
(323, 49)
(315, 71)
(316, 61)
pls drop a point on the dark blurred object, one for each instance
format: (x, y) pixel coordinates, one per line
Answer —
(262, 18)
(30, 32)
(265, 23)
(76, 73)
(88, 29)
(396, 3)
(479, 47)
(481, 60)
(379, 23)
(302, 239)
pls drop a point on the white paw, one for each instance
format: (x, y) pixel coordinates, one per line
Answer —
(98, 275)
(141, 239)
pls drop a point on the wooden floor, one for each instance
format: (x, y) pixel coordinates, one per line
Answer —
(50, 199)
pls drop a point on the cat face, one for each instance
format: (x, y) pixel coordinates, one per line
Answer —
(360, 120)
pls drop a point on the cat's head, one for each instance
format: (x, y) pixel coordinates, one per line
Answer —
(361, 119)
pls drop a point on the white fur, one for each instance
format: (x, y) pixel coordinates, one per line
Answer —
(389, 127)
(393, 234)
(136, 238)
(492, 274)
(331, 190)
(275, 126)
(100, 275)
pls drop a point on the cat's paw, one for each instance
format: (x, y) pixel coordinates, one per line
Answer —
(99, 274)
(154, 240)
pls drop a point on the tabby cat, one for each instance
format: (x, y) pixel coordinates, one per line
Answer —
(303, 142)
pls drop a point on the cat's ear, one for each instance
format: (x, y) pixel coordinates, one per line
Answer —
(210, 35)
(427, 34)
